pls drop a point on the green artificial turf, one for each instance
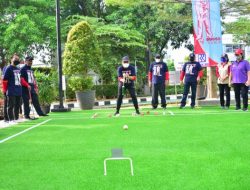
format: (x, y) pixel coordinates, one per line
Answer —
(204, 148)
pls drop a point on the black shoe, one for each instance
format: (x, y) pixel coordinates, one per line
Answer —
(137, 112)
(154, 108)
(43, 114)
(181, 107)
(244, 109)
(29, 118)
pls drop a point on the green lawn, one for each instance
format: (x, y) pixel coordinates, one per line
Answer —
(205, 148)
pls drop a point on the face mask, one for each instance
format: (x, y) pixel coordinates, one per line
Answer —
(238, 57)
(157, 60)
(125, 65)
(16, 62)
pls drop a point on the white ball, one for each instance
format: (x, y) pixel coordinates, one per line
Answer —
(125, 127)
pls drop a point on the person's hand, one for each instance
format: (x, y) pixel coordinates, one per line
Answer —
(149, 84)
(36, 90)
(229, 84)
(29, 87)
(247, 83)
(198, 79)
(166, 82)
(181, 82)
(122, 80)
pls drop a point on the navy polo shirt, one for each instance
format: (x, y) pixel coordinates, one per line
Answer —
(130, 70)
(191, 70)
(158, 71)
(12, 75)
(28, 75)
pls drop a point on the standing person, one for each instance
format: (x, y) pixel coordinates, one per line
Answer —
(223, 73)
(192, 71)
(12, 88)
(158, 78)
(29, 89)
(240, 78)
(126, 78)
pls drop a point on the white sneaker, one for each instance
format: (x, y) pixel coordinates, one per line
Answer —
(12, 123)
(116, 114)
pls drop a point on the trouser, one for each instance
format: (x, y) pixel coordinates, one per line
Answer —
(187, 86)
(26, 104)
(241, 88)
(5, 111)
(20, 107)
(224, 88)
(131, 90)
(158, 88)
(13, 105)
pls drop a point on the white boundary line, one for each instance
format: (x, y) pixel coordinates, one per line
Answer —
(24, 131)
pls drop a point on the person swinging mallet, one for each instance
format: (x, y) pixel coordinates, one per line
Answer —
(126, 78)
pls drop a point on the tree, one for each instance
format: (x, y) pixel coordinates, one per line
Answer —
(161, 24)
(240, 29)
(27, 26)
(81, 53)
(235, 7)
(93, 8)
(114, 42)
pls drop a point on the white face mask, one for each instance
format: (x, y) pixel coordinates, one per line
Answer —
(125, 65)
(157, 60)
(238, 57)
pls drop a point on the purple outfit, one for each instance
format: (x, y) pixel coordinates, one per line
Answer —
(239, 71)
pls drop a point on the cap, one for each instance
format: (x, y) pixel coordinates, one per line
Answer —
(191, 55)
(238, 51)
(125, 58)
(157, 56)
(29, 58)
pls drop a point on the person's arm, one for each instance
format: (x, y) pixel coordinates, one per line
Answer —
(217, 72)
(133, 74)
(150, 76)
(24, 83)
(120, 76)
(6, 77)
(230, 77)
(182, 75)
(4, 86)
(200, 73)
(248, 79)
(248, 73)
(166, 76)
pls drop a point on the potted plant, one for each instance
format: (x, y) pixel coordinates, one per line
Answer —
(80, 56)
(83, 87)
(47, 90)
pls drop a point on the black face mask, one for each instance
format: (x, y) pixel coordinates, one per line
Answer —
(16, 62)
